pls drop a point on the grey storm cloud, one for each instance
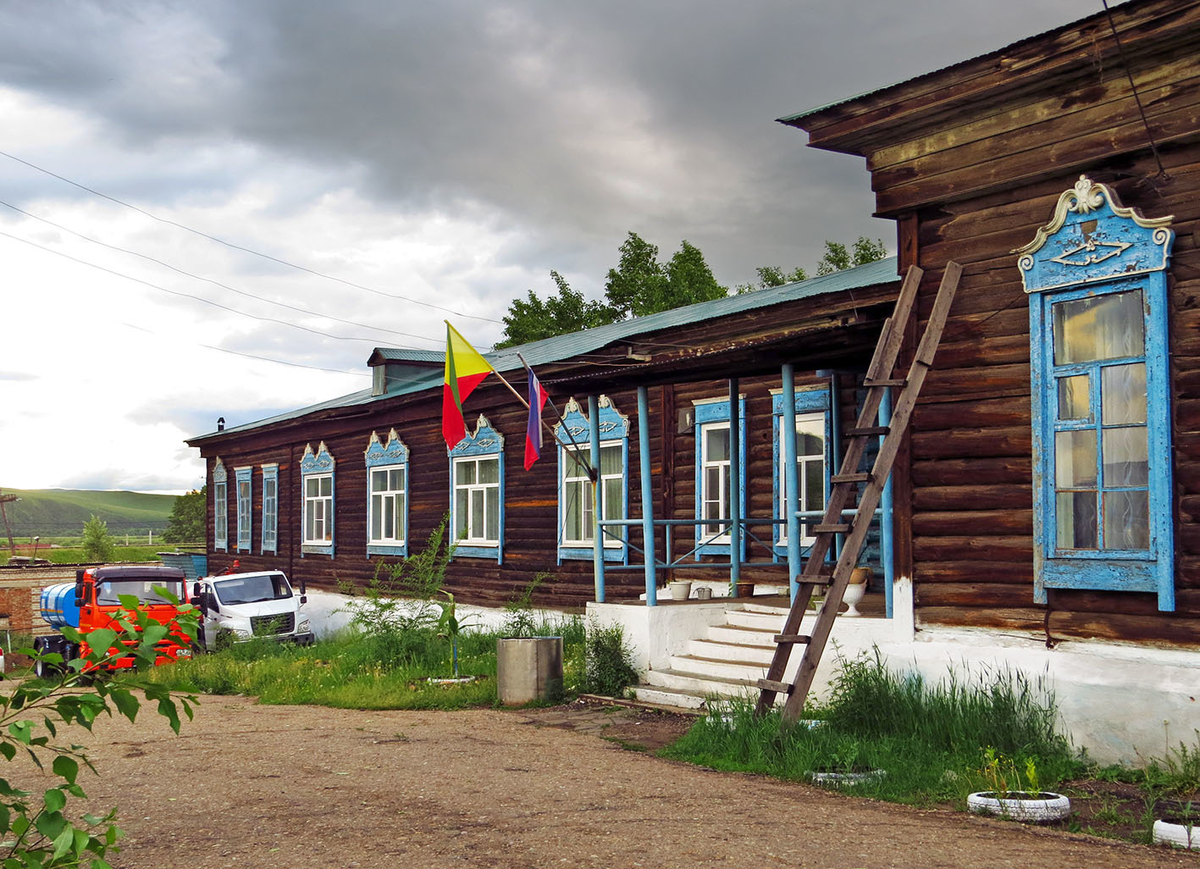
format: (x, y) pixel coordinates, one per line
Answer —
(576, 122)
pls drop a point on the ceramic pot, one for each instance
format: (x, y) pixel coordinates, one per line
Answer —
(852, 596)
(680, 589)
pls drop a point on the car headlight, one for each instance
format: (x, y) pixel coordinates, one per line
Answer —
(241, 634)
(304, 627)
(183, 653)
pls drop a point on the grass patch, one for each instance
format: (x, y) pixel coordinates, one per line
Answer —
(928, 739)
(353, 671)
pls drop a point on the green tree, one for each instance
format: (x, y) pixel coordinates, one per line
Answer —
(532, 319)
(97, 545)
(641, 285)
(838, 258)
(186, 524)
(40, 832)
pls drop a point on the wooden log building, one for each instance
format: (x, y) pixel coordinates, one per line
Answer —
(1051, 478)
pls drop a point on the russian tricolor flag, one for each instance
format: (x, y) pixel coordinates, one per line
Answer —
(533, 430)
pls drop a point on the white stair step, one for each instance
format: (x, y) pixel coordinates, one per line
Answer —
(669, 697)
(714, 667)
(741, 634)
(703, 686)
(763, 621)
(757, 654)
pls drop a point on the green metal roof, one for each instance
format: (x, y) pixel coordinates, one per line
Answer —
(562, 347)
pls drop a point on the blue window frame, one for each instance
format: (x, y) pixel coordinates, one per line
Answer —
(477, 493)
(387, 496)
(714, 455)
(269, 541)
(813, 460)
(317, 494)
(575, 508)
(245, 506)
(1101, 416)
(220, 507)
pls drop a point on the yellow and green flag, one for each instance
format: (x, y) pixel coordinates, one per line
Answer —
(465, 369)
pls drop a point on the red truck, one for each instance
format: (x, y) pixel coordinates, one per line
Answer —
(93, 602)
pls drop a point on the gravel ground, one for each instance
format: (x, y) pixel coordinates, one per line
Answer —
(300, 787)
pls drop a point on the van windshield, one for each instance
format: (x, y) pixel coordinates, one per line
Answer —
(109, 591)
(252, 589)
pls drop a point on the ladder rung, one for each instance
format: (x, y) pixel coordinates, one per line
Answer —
(824, 579)
(863, 477)
(777, 687)
(886, 382)
(867, 431)
(830, 529)
(802, 639)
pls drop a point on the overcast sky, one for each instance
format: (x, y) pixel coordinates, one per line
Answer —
(442, 156)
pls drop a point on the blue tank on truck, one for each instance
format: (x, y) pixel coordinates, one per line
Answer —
(60, 606)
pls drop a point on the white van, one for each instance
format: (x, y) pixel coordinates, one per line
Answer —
(235, 607)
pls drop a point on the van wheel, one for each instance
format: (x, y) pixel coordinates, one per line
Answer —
(41, 669)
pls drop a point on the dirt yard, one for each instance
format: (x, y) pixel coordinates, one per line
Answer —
(302, 787)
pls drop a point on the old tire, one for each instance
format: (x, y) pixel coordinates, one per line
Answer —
(1041, 808)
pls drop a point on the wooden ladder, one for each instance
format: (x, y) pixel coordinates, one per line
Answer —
(816, 574)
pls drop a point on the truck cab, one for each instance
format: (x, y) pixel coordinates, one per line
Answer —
(236, 607)
(93, 602)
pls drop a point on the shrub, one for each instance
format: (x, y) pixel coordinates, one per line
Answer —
(97, 545)
(608, 667)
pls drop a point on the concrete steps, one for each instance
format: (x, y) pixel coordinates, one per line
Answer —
(727, 661)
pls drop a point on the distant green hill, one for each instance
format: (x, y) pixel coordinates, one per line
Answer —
(62, 512)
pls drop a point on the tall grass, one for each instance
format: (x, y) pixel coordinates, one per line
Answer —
(928, 738)
(355, 671)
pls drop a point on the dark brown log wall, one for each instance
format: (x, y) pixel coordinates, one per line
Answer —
(972, 550)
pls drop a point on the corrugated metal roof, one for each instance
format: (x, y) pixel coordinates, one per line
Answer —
(564, 347)
(397, 354)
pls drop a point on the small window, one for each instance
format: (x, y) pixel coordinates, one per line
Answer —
(387, 495)
(244, 507)
(270, 508)
(575, 505)
(714, 457)
(477, 493)
(317, 517)
(1103, 511)
(220, 508)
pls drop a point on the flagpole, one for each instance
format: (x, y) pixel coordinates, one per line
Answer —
(576, 451)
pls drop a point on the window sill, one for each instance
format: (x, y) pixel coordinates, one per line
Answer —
(400, 549)
(581, 553)
(316, 549)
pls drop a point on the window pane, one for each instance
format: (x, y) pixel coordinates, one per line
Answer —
(464, 473)
(1075, 459)
(476, 513)
(489, 470)
(716, 444)
(312, 487)
(378, 480)
(376, 517)
(462, 498)
(492, 531)
(610, 460)
(613, 496)
(389, 517)
(814, 485)
(1076, 520)
(1099, 327)
(1123, 394)
(326, 485)
(396, 479)
(573, 513)
(1125, 457)
(1126, 520)
(310, 523)
(1073, 399)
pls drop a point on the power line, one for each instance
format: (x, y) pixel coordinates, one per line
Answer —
(201, 298)
(260, 358)
(216, 283)
(248, 250)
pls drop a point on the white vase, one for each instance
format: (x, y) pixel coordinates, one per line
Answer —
(851, 597)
